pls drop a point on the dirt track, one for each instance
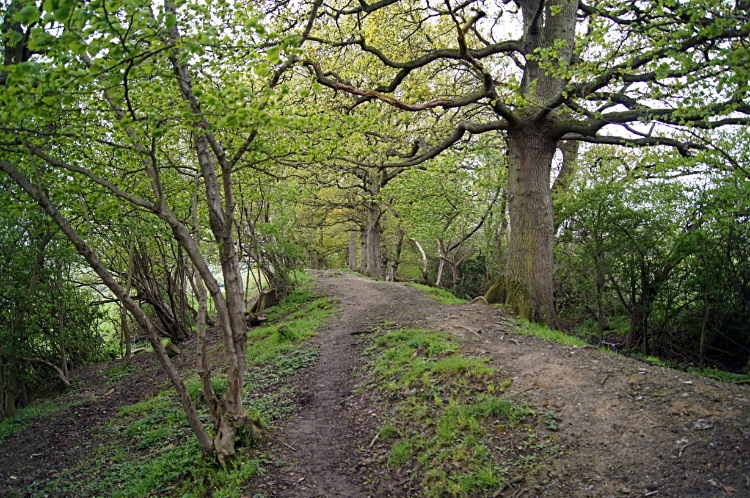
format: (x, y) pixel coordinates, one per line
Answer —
(628, 429)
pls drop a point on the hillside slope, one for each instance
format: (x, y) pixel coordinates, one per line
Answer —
(578, 422)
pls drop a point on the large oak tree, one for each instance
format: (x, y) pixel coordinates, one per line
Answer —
(541, 72)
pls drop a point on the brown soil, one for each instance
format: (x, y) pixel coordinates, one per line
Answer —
(628, 429)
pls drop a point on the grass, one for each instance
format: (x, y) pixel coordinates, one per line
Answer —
(303, 312)
(148, 448)
(544, 332)
(119, 372)
(448, 424)
(441, 295)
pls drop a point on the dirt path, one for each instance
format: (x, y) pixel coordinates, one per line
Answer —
(324, 447)
(627, 429)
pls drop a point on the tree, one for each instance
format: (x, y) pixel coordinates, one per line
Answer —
(48, 319)
(448, 201)
(550, 70)
(120, 98)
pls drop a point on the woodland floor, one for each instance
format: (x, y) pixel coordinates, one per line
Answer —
(624, 428)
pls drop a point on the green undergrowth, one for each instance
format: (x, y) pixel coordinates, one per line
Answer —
(712, 372)
(448, 425)
(541, 331)
(616, 325)
(148, 448)
(291, 323)
(715, 373)
(442, 295)
(119, 372)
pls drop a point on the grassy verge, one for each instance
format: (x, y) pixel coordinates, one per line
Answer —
(149, 450)
(448, 425)
(530, 328)
(544, 332)
(441, 295)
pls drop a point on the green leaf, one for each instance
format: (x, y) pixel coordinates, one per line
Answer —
(170, 21)
(28, 15)
(273, 55)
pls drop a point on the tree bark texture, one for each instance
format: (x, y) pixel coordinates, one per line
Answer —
(532, 142)
(363, 252)
(353, 248)
(526, 285)
(374, 230)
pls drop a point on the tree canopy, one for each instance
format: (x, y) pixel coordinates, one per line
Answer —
(211, 141)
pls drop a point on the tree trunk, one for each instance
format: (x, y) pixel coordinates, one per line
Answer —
(2, 388)
(10, 393)
(526, 285)
(399, 248)
(124, 312)
(353, 248)
(363, 252)
(441, 265)
(374, 265)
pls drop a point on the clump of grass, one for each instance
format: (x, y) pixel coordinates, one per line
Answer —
(302, 311)
(447, 412)
(119, 372)
(441, 295)
(544, 332)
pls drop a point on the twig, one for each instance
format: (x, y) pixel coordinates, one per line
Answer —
(374, 439)
(518, 343)
(651, 493)
(470, 330)
(685, 447)
(744, 381)
(521, 392)
(290, 446)
(519, 493)
(361, 332)
(605, 379)
(479, 298)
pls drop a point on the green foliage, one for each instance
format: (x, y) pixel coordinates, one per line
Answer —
(41, 308)
(473, 280)
(666, 258)
(119, 372)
